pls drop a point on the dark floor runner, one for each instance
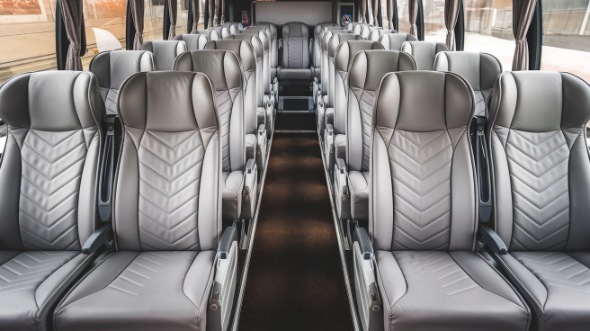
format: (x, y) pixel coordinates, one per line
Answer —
(295, 280)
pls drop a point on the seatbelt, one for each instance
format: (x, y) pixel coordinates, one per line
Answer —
(483, 173)
(107, 170)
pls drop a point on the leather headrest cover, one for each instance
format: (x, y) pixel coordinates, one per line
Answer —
(348, 49)
(114, 67)
(368, 67)
(480, 69)
(242, 48)
(394, 41)
(338, 39)
(260, 34)
(167, 101)
(193, 41)
(421, 95)
(253, 40)
(221, 66)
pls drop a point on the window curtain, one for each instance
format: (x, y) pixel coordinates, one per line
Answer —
(172, 12)
(210, 7)
(376, 12)
(451, 15)
(386, 14)
(222, 19)
(522, 16)
(370, 18)
(363, 12)
(73, 16)
(196, 7)
(137, 14)
(413, 10)
(216, 14)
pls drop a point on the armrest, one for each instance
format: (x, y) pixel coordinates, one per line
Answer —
(98, 238)
(261, 115)
(341, 191)
(492, 240)
(329, 115)
(229, 236)
(261, 129)
(341, 166)
(361, 236)
(329, 127)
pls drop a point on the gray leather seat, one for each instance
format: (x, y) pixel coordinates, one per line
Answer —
(365, 72)
(48, 191)
(194, 42)
(222, 31)
(325, 36)
(423, 214)
(376, 34)
(394, 41)
(366, 31)
(166, 214)
(212, 34)
(296, 63)
(255, 119)
(317, 46)
(232, 27)
(541, 181)
(424, 52)
(224, 70)
(165, 52)
(113, 68)
(479, 69)
(274, 55)
(263, 34)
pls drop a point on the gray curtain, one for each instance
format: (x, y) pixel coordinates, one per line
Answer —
(137, 14)
(211, 7)
(370, 12)
(413, 10)
(222, 19)
(196, 6)
(376, 12)
(172, 12)
(522, 15)
(216, 14)
(451, 15)
(73, 16)
(388, 18)
(363, 12)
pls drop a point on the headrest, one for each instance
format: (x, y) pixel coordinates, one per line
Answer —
(242, 48)
(367, 77)
(193, 42)
(394, 41)
(253, 40)
(260, 34)
(480, 69)
(424, 52)
(375, 35)
(338, 39)
(295, 29)
(165, 52)
(112, 68)
(348, 49)
(221, 66)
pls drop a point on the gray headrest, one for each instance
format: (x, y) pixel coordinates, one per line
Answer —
(480, 69)
(112, 68)
(163, 101)
(52, 101)
(165, 52)
(193, 42)
(221, 66)
(444, 99)
(538, 101)
(253, 40)
(375, 35)
(242, 48)
(348, 49)
(424, 52)
(260, 34)
(295, 29)
(394, 41)
(367, 77)
(272, 27)
(338, 39)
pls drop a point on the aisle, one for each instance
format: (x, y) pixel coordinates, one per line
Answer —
(295, 280)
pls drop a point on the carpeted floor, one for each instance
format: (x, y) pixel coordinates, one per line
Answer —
(295, 280)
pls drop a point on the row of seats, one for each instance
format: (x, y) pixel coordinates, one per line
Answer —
(420, 266)
(170, 266)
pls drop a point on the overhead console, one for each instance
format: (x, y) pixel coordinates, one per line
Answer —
(279, 13)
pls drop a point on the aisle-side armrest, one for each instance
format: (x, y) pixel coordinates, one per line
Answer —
(492, 240)
(250, 189)
(341, 190)
(98, 238)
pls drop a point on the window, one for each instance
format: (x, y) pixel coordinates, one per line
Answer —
(403, 14)
(488, 28)
(27, 36)
(153, 25)
(434, 20)
(566, 37)
(105, 27)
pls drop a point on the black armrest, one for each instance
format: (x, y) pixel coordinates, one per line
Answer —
(229, 236)
(492, 240)
(98, 238)
(361, 236)
(341, 166)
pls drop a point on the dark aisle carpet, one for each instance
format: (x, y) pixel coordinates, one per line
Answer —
(295, 280)
(295, 121)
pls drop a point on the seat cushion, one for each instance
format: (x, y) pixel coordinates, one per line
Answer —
(426, 290)
(359, 194)
(30, 284)
(166, 290)
(232, 194)
(556, 285)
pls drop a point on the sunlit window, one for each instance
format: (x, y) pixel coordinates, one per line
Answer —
(566, 37)
(434, 20)
(488, 28)
(403, 14)
(153, 20)
(27, 36)
(105, 27)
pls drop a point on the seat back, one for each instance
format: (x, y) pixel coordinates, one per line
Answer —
(480, 69)
(222, 31)
(423, 190)
(262, 34)
(232, 27)
(328, 66)
(224, 70)
(317, 43)
(325, 35)
(165, 52)
(259, 53)
(539, 156)
(113, 68)
(274, 47)
(344, 54)
(375, 35)
(167, 187)
(366, 30)
(351, 26)
(394, 41)
(194, 42)
(212, 34)
(424, 52)
(295, 45)
(50, 162)
(245, 52)
(365, 72)
(358, 28)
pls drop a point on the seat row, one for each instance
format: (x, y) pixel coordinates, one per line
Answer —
(162, 259)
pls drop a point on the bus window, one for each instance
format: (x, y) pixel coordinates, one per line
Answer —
(434, 20)
(27, 36)
(153, 28)
(105, 27)
(182, 16)
(403, 14)
(488, 28)
(566, 37)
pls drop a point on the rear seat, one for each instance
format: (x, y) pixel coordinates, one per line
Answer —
(194, 42)
(113, 68)
(424, 52)
(48, 191)
(296, 64)
(165, 52)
